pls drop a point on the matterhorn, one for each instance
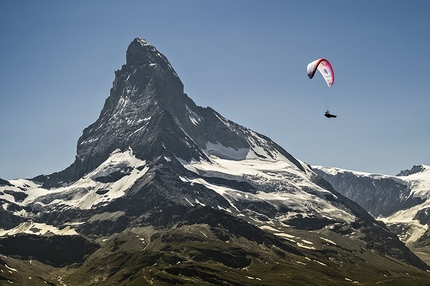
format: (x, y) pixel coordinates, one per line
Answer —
(165, 192)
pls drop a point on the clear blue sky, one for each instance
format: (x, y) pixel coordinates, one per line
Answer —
(246, 59)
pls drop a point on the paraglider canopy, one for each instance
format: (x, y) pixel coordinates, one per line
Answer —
(326, 70)
(324, 67)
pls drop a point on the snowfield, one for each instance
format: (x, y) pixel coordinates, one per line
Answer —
(38, 229)
(94, 189)
(278, 181)
(419, 185)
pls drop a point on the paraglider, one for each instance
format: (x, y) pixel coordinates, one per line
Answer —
(329, 115)
(324, 67)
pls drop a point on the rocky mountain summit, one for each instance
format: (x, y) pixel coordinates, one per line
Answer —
(165, 192)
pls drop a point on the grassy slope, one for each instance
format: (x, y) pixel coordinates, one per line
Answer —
(202, 255)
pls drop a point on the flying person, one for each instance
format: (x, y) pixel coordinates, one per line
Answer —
(329, 115)
(325, 69)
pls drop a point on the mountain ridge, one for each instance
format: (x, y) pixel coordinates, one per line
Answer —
(159, 178)
(149, 86)
(401, 201)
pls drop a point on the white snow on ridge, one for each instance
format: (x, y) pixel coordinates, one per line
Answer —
(38, 229)
(227, 153)
(30, 188)
(143, 42)
(194, 117)
(418, 183)
(419, 186)
(87, 191)
(289, 185)
(334, 171)
(236, 168)
(116, 162)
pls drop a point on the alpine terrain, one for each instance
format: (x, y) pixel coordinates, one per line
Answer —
(400, 201)
(164, 192)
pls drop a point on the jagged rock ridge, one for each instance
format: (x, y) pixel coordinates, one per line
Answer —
(153, 157)
(401, 201)
(145, 110)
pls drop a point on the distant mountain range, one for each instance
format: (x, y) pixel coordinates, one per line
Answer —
(401, 201)
(164, 192)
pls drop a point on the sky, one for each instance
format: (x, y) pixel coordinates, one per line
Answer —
(245, 59)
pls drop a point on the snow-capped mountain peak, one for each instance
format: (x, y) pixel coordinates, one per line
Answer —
(148, 123)
(153, 157)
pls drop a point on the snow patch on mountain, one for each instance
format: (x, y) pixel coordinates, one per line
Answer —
(194, 117)
(143, 42)
(107, 182)
(38, 229)
(417, 184)
(31, 189)
(278, 182)
(333, 171)
(228, 153)
(117, 162)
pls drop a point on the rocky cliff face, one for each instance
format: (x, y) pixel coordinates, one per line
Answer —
(148, 112)
(379, 195)
(401, 201)
(163, 181)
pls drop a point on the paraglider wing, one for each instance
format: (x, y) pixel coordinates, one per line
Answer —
(324, 67)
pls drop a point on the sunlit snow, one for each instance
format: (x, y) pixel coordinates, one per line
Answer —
(419, 186)
(288, 184)
(87, 191)
(38, 229)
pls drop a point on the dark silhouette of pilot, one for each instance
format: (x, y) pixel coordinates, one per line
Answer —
(329, 115)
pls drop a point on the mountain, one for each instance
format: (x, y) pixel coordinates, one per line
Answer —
(401, 201)
(165, 192)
